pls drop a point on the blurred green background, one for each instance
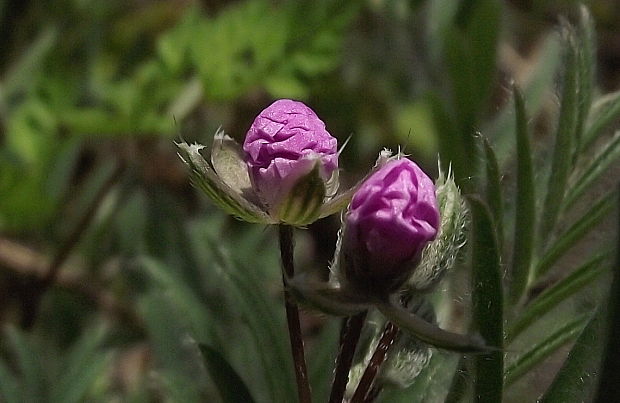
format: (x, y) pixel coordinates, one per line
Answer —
(108, 258)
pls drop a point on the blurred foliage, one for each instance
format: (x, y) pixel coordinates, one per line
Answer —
(93, 93)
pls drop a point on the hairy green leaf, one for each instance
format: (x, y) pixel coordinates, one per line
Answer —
(487, 300)
(577, 380)
(586, 38)
(609, 154)
(494, 191)
(564, 139)
(525, 210)
(605, 111)
(540, 351)
(576, 232)
(558, 293)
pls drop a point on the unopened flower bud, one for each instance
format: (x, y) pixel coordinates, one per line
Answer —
(391, 218)
(291, 158)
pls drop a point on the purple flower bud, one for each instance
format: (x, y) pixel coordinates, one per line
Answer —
(391, 218)
(286, 142)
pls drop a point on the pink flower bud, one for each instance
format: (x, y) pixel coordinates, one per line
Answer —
(286, 142)
(391, 218)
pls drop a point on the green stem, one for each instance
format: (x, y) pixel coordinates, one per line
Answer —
(287, 248)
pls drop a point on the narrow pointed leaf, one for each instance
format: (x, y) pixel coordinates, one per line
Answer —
(599, 166)
(609, 389)
(487, 296)
(494, 190)
(263, 318)
(604, 112)
(564, 140)
(535, 91)
(558, 293)
(230, 385)
(525, 206)
(576, 380)
(576, 232)
(540, 351)
(586, 68)
(430, 333)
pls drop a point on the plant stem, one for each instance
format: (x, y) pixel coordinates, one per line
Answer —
(368, 378)
(287, 248)
(352, 330)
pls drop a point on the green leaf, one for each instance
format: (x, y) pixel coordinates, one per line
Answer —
(177, 360)
(81, 369)
(605, 111)
(487, 300)
(599, 166)
(441, 255)
(576, 232)
(535, 92)
(494, 191)
(564, 139)
(29, 364)
(586, 37)
(264, 317)
(230, 385)
(576, 380)
(471, 47)
(182, 296)
(525, 206)
(21, 73)
(540, 351)
(608, 387)
(558, 293)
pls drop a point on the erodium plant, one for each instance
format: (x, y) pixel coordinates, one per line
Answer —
(401, 233)
(287, 174)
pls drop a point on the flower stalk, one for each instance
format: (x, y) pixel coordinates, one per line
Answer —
(287, 248)
(352, 329)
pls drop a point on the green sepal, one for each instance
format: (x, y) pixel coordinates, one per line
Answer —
(302, 205)
(228, 162)
(440, 255)
(204, 177)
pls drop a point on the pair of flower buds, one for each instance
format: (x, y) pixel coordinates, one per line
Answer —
(287, 173)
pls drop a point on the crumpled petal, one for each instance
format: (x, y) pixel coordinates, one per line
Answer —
(282, 146)
(391, 218)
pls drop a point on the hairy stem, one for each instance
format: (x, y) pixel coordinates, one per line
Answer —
(287, 248)
(351, 331)
(368, 378)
